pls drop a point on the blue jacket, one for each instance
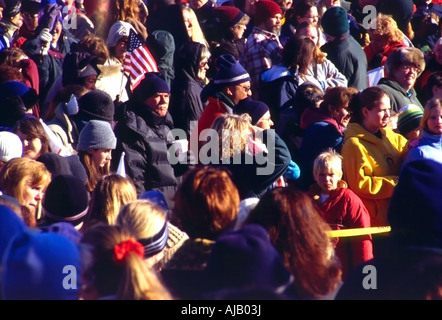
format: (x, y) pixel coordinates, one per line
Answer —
(430, 147)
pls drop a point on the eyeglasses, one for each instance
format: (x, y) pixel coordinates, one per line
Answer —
(408, 68)
(240, 26)
(204, 63)
(245, 88)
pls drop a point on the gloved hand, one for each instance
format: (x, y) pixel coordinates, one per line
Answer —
(44, 39)
(293, 172)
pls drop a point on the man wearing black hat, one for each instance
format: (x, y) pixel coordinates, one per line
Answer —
(342, 49)
(143, 134)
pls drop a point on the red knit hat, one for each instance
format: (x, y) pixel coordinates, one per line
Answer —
(265, 9)
(228, 15)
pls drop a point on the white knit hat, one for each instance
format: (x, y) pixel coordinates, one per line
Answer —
(117, 31)
(10, 146)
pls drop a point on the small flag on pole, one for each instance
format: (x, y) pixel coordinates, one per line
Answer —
(121, 170)
(138, 60)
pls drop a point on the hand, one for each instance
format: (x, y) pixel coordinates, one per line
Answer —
(45, 39)
(293, 172)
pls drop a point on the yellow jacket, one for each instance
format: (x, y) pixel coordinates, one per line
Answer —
(371, 167)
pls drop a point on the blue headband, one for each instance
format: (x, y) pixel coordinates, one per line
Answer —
(155, 244)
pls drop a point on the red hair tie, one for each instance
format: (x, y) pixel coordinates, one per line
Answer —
(122, 249)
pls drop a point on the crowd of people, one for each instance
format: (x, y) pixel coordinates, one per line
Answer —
(232, 170)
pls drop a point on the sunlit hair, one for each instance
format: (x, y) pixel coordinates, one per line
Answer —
(429, 106)
(123, 10)
(368, 98)
(111, 192)
(18, 174)
(233, 133)
(130, 279)
(206, 202)
(142, 218)
(197, 32)
(10, 73)
(298, 51)
(12, 55)
(32, 128)
(96, 46)
(336, 98)
(299, 234)
(94, 173)
(326, 161)
(387, 27)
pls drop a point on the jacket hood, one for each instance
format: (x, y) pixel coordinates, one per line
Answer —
(355, 130)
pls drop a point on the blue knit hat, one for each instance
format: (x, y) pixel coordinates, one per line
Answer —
(41, 266)
(415, 212)
(255, 108)
(66, 200)
(246, 258)
(150, 85)
(96, 134)
(230, 72)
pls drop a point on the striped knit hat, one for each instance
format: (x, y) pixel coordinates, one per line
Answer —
(409, 118)
(230, 72)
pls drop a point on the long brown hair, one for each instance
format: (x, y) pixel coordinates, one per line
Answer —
(299, 233)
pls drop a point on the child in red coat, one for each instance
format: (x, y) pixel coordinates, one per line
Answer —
(342, 209)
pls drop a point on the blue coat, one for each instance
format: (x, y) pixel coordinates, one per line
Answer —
(430, 147)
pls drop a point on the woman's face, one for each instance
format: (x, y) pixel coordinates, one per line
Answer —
(32, 196)
(121, 48)
(311, 16)
(188, 23)
(202, 69)
(434, 122)
(31, 146)
(265, 122)
(406, 75)
(342, 116)
(238, 30)
(100, 157)
(378, 117)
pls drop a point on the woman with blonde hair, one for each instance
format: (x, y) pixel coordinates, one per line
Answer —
(26, 180)
(111, 192)
(430, 136)
(150, 225)
(114, 268)
(242, 149)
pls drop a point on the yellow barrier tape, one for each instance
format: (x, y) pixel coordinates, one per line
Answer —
(358, 231)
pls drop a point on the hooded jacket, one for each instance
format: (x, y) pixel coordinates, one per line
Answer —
(185, 101)
(371, 167)
(429, 147)
(399, 96)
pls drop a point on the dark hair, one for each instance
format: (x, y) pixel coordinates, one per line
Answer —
(307, 96)
(299, 233)
(435, 79)
(367, 98)
(337, 97)
(299, 50)
(32, 128)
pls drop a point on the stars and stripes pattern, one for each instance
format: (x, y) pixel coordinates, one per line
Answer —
(138, 60)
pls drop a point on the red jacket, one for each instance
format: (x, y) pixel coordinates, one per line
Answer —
(343, 209)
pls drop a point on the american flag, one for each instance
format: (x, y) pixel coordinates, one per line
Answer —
(138, 60)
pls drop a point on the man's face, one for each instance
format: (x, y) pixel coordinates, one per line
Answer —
(273, 24)
(158, 103)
